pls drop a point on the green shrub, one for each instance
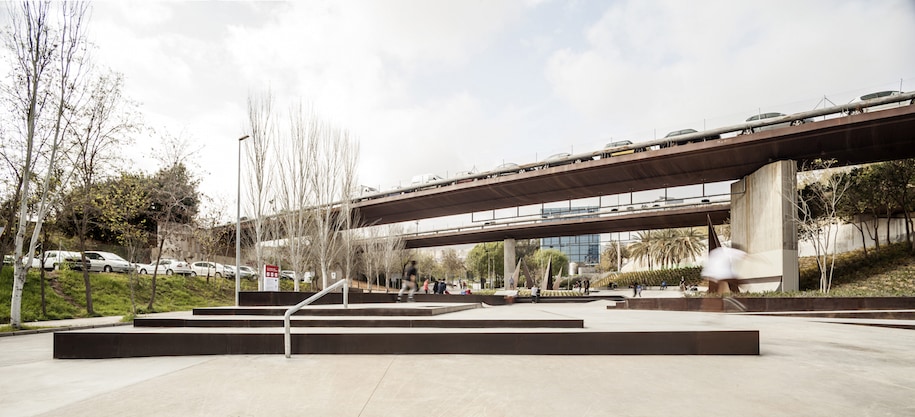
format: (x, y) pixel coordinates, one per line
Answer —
(653, 278)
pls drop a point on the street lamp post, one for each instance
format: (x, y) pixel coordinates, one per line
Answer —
(238, 224)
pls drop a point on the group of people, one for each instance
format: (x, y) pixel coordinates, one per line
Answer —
(584, 286)
(438, 286)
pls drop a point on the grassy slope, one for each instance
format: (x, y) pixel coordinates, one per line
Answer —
(111, 294)
(889, 272)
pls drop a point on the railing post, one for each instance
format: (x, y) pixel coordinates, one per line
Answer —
(287, 338)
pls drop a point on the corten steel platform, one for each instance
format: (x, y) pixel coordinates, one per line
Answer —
(502, 330)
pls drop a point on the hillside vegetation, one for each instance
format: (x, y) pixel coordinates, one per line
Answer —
(889, 272)
(111, 294)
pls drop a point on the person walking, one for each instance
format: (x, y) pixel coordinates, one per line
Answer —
(409, 281)
(719, 270)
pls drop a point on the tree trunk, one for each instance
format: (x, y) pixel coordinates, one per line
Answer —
(82, 257)
(41, 275)
(860, 226)
(876, 232)
(152, 295)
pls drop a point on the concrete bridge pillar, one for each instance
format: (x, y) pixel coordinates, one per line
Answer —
(509, 264)
(763, 223)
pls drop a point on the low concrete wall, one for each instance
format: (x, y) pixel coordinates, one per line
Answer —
(771, 304)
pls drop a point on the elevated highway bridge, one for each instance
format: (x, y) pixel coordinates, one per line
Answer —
(764, 162)
(849, 139)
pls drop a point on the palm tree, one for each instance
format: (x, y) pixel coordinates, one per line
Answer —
(667, 247)
(643, 248)
(688, 244)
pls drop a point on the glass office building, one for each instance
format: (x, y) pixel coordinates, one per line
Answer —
(583, 249)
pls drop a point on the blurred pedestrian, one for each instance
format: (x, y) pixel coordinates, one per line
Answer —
(719, 271)
(409, 281)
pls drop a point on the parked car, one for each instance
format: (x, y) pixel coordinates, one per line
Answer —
(247, 272)
(167, 266)
(763, 116)
(36, 261)
(287, 274)
(53, 259)
(879, 94)
(74, 261)
(208, 269)
(143, 268)
(107, 262)
(229, 271)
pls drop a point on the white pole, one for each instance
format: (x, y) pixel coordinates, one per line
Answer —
(238, 224)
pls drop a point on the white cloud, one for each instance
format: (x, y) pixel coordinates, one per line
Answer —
(446, 86)
(650, 64)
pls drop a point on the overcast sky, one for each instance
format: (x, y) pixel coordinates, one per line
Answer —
(441, 87)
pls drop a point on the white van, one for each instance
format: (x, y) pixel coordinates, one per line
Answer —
(54, 258)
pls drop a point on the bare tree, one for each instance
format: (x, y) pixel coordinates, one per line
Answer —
(293, 189)
(209, 235)
(263, 132)
(333, 157)
(174, 198)
(817, 207)
(48, 60)
(103, 125)
(393, 247)
(371, 254)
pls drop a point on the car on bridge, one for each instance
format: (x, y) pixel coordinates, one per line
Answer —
(771, 115)
(559, 159)
(507, 168)
(620, 147)
(672, 136)
(858, 102)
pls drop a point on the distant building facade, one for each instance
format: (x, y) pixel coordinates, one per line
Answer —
(582, 249)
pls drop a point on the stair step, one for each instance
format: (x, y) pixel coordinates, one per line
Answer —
(258, 322)
(97, 343)
(388, 309)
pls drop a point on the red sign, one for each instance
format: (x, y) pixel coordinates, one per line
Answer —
(271, 278)
(271, 271)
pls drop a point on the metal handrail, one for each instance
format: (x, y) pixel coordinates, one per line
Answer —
(287, 339)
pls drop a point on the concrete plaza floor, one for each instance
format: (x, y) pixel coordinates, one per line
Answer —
(806, 367)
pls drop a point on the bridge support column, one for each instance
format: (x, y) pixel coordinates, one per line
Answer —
(509, 264)
(763, 223)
